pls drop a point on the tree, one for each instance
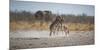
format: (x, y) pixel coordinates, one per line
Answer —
(39, 15)
(47, 15)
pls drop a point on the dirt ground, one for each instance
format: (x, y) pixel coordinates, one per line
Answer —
(39, 39)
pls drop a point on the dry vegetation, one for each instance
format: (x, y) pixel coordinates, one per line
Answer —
(23, 20)
(45, 26)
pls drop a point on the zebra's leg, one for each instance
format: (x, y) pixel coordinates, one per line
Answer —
(67, 32)
(50, 33)
(57, 29)
(53, 32)
(62, 28)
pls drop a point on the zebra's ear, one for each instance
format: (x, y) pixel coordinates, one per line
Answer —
(62, 17)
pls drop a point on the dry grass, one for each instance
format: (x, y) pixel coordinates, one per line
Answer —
(80, 27)
(45, 26)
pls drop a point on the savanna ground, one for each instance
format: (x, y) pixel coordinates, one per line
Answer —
(32, 35)
(31, 30)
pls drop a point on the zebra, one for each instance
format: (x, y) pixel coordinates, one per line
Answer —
(66, 30)
(62, 28)
(56, 25)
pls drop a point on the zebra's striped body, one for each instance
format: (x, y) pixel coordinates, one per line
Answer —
(56, 25)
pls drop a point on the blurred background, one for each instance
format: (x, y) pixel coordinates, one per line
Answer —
(39, 15)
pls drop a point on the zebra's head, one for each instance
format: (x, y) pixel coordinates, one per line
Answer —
(60, 18)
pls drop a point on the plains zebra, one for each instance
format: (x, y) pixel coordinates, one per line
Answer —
(66, 30)
(56, 25)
